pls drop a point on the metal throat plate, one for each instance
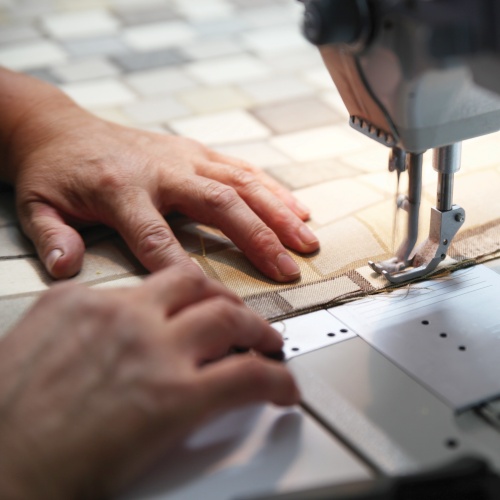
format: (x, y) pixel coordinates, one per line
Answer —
(445, 333)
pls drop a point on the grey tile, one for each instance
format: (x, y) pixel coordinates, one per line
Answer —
(139, 61)
(134, 15)
(44, 74)
(17, 32)
(12, 310)
(85, 69)
(14, 244)
(98, 46)
(297, 115)
(220, 27)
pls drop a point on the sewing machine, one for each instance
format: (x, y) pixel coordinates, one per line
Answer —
(414, 75)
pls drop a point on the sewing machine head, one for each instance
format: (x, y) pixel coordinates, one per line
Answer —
(414, 75)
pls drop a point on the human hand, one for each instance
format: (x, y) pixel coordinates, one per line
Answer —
(96, 384)
(71, 168)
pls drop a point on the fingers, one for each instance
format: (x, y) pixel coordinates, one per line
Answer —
(175, 289)
(220, 205)
(214, 326)
(146, 232)
(274, 186)
(239, 380)
(286, 224)
(59, 246)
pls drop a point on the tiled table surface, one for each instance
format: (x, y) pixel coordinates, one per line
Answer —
(234, 74)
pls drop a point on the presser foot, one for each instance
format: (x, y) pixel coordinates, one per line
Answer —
(444, 227)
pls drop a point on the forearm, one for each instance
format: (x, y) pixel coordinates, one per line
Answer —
(22, 101)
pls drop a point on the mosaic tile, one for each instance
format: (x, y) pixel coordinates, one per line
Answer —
(13, 243)
(95, 46)
(106, 92)
(44, 74)
(18, 32)
(85, 69)
(343, 243)
(333, 200)
(156, 110)
(259, 154)
(204, 47)
(266, 15)
(29, 55)
(159, 35)
(220, 27)
(293, 62)
(18, 276)
(308, 174)
(144, 14)
(115, 115)
(220, 128)
(11, 310)
(209, 9)
(159, 81)
(319, 143)
(273, 40)
(319, 77)
(79, 24)
(120, 282)
(332, 98)
(227, 70)
(141, 61)
(297, 115)
(276, 88)
(213, 99)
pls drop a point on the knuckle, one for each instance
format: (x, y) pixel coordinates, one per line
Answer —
(255, 373)
(220, 196)
(153, 237)
(262, 237)
(243, 179)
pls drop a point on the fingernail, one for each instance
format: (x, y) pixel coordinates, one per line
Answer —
(307, 236)
(52, 259)
(287, 265)
(304, 211)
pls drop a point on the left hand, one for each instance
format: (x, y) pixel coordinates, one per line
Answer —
(72, 168)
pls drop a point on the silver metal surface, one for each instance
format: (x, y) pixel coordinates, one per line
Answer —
(312, 331)
(445, 333)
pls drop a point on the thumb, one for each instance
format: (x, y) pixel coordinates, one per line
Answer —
(59, 246)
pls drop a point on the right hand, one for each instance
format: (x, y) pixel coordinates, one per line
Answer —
(97, 384)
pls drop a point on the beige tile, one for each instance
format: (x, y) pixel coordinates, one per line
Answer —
(296, 115)
(213, 99)
(129, 281)
(115, 115)
(481, 152)
(335, 199)
(319, 143)
(160, 81)
(260, 154)
(221, 128)
(343, 244)
(477, 193)
(319, 293)
(276, 88)
(309, 174)
(18, 276)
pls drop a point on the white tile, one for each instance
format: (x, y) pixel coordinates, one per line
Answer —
(159, 81)
(277, 88)
(85, 69)
(319, 143)
(158, 35)
(228, 70)
(203, 48)
(158, 110)
(332, 98)
(22, 276)
(221, 128)
(208, 9)
(319, 77)
(260, 154)
(81, 23)
(274, 40)
(31, 55)
(99, 93)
